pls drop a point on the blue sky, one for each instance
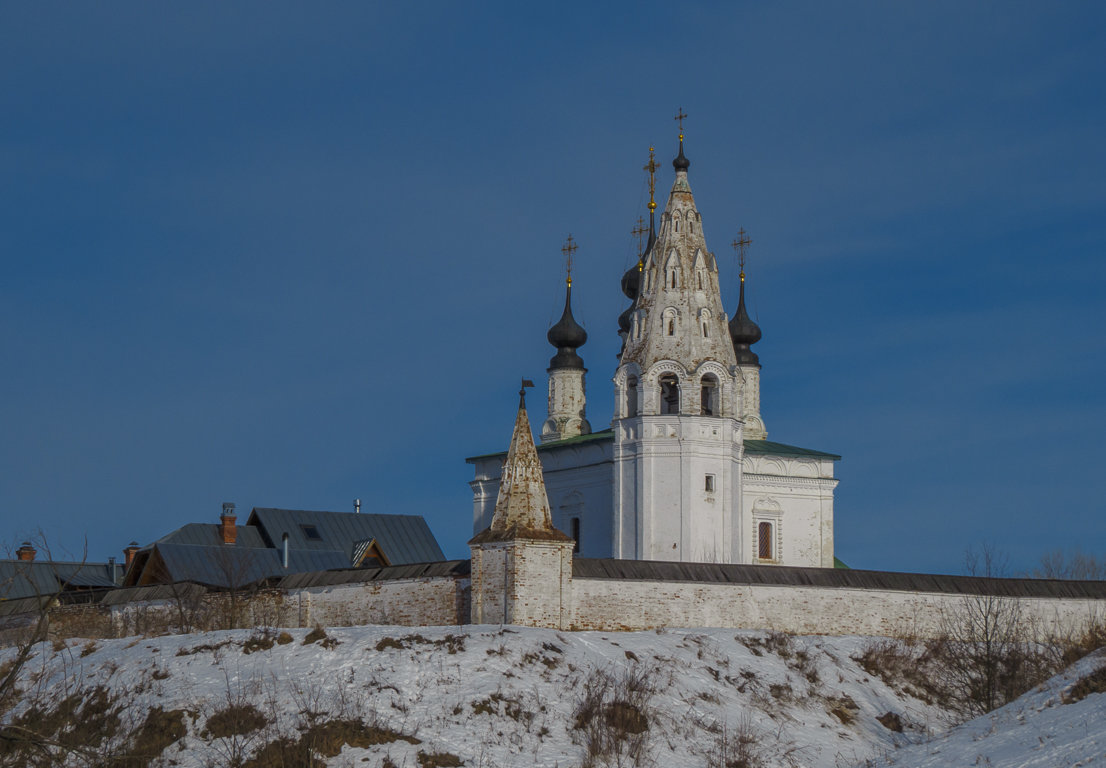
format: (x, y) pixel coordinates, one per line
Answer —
(289, 256)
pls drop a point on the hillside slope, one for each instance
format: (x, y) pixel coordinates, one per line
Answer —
(477, 696)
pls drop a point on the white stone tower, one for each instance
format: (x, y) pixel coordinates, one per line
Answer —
(677, 429)
(567, 399)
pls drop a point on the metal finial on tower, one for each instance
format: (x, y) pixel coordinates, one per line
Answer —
(522, 392)
(640, 231)
(681, 163)
(568, 249)
(739, 245)
(652, 167)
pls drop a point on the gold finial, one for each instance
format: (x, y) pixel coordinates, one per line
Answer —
(739, 245)
(680, 116)
(569, 249)
(652, 167)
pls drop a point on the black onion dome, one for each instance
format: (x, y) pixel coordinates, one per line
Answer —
(631, 281)
(681, 163)
(567, 335)
(625, 320)
(744, 332)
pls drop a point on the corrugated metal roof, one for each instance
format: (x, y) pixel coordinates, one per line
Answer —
(769, 448)
(23, 578)
(209, 535)
(455, 568)
(600, 436)
(402, 538)
(650, 570)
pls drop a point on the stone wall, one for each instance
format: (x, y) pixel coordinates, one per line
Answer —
(617, 604)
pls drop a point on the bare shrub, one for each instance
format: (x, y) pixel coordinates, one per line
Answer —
(612, 717)
(1095, 682)
(741, 746)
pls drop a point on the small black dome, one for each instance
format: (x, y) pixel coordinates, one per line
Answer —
(625, 319)
(631, 281)
(567, 335)
(744, 332)
(681, 163)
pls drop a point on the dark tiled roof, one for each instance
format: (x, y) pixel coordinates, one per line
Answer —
(209, 535)
(768, 448)
(402, 538)
(655, 570)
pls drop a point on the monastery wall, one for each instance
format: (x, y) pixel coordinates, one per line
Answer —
(624, 604)
(434, 601)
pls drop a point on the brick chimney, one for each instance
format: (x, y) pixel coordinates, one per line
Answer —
(129, 552)
(227, 525)
(26, 552)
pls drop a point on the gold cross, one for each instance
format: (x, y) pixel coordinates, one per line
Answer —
(680, 115)
(739, 245)
(639, 231)
(652, 167)
(569, 249)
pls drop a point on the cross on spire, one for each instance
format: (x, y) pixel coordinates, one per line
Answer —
(568, 249)
(739, 245)
(680, 116)
(639, 231)
(652, 167)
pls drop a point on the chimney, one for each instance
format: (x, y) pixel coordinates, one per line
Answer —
(227, 525)
(129, 552)
(26, 552)
(357, 506)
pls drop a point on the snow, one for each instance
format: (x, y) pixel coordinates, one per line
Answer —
(508, 696)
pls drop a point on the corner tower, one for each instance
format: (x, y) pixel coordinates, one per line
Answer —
(677, 429)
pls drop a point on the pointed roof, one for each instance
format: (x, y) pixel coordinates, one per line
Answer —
(522, 508)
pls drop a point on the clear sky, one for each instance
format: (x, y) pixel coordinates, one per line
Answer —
(289, 254)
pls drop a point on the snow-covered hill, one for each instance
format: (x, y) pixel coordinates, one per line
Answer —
(491, 696)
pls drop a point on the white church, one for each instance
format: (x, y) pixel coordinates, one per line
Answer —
(686, 472)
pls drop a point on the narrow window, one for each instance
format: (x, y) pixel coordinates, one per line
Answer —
(670, 394)
(672, 279)
(764, 541)
(631, 396)
(677, 226)
(700, 276)
(708, 396)
(575, 525)
(671, 327)
(706, 333)
(708, 486)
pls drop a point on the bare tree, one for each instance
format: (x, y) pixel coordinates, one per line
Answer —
(1077, 565)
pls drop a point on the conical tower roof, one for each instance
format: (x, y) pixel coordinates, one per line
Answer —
(522, 507)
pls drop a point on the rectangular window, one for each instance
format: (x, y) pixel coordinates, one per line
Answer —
(576, 535)
(764, 541)
(311, 532)
(708, 486)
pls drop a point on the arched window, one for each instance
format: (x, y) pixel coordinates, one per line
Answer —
(670, 394)
(708, 396)
(668, 321)
(699, 275)
(704, 322)
(672, 277)
(677, 226)
(671, 326)
(631, 396)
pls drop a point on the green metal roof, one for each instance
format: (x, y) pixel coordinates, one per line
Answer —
(768, 448)
(594, 437)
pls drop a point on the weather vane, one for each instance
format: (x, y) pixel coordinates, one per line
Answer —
(652, 167)
(568, 249)
(740, 244)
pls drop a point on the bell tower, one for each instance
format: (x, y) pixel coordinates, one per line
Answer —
(567, 399)
(678, 399)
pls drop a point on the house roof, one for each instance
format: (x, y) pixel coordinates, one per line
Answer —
(209, 535)
(402, 538)
(27, 578)
(235, 567)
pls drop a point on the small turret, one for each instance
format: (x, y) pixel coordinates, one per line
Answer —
(744, 333)
(567, 399)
